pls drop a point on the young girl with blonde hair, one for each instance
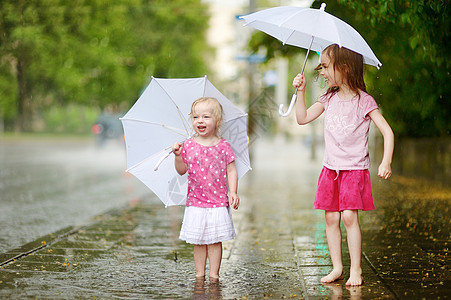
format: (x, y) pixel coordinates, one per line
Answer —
(212, 186)
(344, 185)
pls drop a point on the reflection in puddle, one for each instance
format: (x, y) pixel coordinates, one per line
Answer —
(207, 290)
(336, 289)
(355, 292)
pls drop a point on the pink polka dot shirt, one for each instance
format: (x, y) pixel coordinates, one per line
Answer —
(207, 173)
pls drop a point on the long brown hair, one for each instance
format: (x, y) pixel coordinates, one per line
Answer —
(349, 64)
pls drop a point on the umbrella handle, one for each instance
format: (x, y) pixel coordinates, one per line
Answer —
(157, 165)
(293, 99)
(290, 108)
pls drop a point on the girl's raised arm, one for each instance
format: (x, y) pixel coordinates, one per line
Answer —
(389, 143)
(304, 115)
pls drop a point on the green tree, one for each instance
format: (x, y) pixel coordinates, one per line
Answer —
(428, 21)
(93, 52)
(412, 39)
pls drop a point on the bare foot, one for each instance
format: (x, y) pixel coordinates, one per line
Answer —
(333, 276)
(199, 285)
(214, 277)
(355, 278)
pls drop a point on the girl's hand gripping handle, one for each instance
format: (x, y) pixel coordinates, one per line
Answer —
(299, 83)
(177, 148)
(180, 166)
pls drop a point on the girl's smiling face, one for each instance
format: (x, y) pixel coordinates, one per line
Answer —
(204, 122)
(333, 77)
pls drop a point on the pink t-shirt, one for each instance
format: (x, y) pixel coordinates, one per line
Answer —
(207, 173)
(346, 128)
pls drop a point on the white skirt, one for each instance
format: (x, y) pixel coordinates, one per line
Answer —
(204, 226)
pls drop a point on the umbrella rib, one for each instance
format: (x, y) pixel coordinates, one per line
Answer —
(185, 124)
(337, 33)
(205, 85)
(289, 17)
(237, 117)
(173, 129)
(286, 40)
(243, 162)
(148, 158)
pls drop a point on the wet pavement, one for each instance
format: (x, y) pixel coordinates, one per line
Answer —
(48, 183)
(132, 251)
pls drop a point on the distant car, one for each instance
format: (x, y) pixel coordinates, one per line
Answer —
(107, 127)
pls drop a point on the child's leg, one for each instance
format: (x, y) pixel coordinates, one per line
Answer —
(333, 234)
(351, 222)
(200, 259)
(215, 257)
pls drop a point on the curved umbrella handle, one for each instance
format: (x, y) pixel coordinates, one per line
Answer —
(290, 108)
(157, 165)
(293, 99)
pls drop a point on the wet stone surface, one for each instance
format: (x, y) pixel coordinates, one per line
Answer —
(409, 246)
(47, 184)
(280, 251)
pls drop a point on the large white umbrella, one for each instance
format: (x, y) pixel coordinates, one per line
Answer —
(159, 118)
(309, 28)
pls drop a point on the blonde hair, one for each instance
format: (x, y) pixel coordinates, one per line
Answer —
(216, 107)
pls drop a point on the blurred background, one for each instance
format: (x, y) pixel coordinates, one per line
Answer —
(70, 69)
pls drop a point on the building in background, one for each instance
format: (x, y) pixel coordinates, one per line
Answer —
(238, 75)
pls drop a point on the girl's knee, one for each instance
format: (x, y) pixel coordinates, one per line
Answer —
(332, 218)
(350, 218)
(215, 245)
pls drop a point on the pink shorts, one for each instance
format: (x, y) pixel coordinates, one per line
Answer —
(344, 190)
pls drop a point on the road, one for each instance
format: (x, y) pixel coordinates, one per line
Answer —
(48, 183)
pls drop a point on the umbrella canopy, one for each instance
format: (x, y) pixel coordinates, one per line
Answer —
(159, 118)
(309, 28)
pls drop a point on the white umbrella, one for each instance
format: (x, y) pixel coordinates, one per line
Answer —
(309, 28)
(159, 118)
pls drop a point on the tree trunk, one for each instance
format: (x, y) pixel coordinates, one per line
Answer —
(22, 120)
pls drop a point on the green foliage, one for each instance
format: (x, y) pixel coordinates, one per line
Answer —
(411, 38)
(428, 21)
(93, 52)
(70, 119)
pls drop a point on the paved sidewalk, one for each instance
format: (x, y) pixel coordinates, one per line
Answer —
(280, 250)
